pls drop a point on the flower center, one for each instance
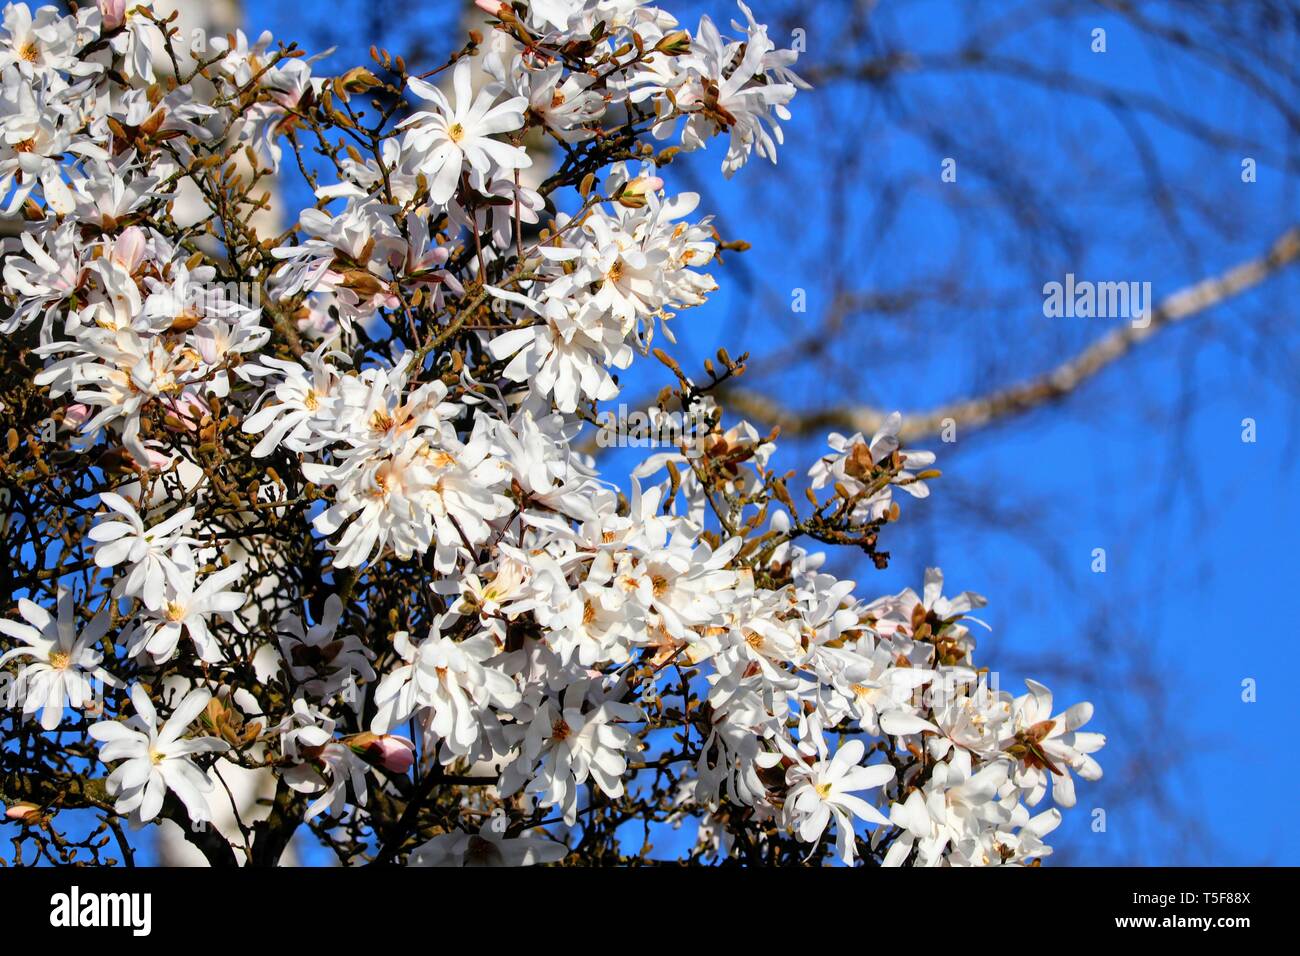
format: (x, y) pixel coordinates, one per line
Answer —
(480, 849)
(310, 401)
(59, 660)
(456, 132)
(560, 730)
(823, 790)
(174, 611)
(29, 52)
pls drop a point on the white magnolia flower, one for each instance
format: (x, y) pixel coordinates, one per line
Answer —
(157, 759)
(321, 662)
(450, 684)
(566, 355)
(300, 413)
(150, 552)
(185, 611)
(734, 751)
(566, 103)
(323, 767)
(570, 745)
(39, 44)
(1009, 847)
(64, 661)
(956, 804)
(451, 137)
(825, 790)
(738, 97)
(855, 460)
(138, 40)
(119, 372)
(1050, 747)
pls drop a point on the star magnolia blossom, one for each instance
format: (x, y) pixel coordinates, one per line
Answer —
(63, 663)
(156, 759)
(454, 135)
(829, 788)
(148, 551)
(330, 488)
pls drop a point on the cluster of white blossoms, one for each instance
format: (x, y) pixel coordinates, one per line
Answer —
(343, 514)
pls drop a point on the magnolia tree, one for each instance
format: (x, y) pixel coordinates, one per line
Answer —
(322, 504)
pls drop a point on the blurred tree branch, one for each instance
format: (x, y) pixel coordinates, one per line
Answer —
(1052, 386)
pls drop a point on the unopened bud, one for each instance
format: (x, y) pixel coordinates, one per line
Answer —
(358, 80)
(20, 811)
(634, 194)
(113, 12)
(675, 44)
(395, 754)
